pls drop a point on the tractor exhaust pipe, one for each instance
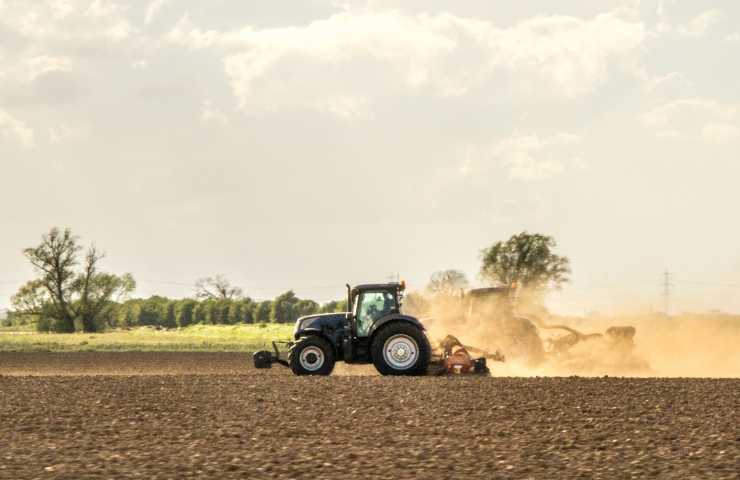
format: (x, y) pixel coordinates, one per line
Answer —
(349, 298)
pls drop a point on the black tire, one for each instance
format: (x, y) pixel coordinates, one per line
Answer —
(401, 332)
(311, 355)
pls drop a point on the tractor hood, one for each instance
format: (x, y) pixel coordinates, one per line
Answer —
(319, 323)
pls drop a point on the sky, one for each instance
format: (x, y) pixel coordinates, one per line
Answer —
(308, 144)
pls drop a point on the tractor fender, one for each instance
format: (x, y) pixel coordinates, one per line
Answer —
(396, 317)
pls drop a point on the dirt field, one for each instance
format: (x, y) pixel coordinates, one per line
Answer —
(209, 415)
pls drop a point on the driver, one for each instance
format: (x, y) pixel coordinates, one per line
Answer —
(388, 305)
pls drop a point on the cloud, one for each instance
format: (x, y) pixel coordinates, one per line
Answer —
(670, 81)
(210, 114)
(693, 118)
(700, 25)
(140, 64)
(344, 106)
(154, 7)
(350, 54)
(14, 130)
(63, 23)
(533, 158)
(697, 27)
(526, 157)
(721, 132)
(47, 47)
(66, 133)
(43, 64)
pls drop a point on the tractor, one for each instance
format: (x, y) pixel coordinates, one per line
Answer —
(373, 330)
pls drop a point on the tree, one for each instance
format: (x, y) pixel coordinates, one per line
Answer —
(63, 294)
(283, 308)
(216, 287)
(184, 312)
(305, 307)
(527, 260)
(169, 315)
(261, 312)
(152, 311)
(128, 313)
(200, 313)
(447, 282)
(247, 311)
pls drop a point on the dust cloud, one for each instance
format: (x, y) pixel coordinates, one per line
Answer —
(538, 343)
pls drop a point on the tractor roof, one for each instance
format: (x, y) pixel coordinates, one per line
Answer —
(377, 286)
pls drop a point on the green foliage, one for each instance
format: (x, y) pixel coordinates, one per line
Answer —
(283, 308)
(334, 306)
(184, 312)
(261, 312)
(69, 292)
(526, 259)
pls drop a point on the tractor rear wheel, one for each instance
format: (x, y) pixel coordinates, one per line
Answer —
(311, 355)
(401, 349)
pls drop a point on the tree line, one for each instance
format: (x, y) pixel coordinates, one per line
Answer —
(70, 293)
(162, 312)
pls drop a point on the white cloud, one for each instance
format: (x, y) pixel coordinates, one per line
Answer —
(693, 118)
(14, 130)
(720, 132)
(444, 54)
(526, 157)
(210, 114)
(533, 158)
(61, 8)
(60, 23)
(700, 25)
(67, 133)
(344, 106)
(140, 64)
(673, 80)
(154, 7)
(43, 64)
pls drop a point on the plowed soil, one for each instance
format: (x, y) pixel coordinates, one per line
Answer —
(200, 415)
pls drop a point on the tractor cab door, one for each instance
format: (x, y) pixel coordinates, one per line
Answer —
(372, 305)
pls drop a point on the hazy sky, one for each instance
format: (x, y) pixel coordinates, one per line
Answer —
(303, 144)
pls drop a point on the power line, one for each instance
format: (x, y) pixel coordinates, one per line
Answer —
(709, 284)
(667, 284)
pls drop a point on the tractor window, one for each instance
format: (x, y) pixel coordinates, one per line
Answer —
(371, 307)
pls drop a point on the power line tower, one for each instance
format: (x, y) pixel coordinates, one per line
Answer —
(667, 284)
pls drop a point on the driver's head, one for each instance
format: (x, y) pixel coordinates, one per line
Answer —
(387, 302)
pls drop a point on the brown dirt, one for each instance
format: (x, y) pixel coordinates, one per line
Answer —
(201, 415)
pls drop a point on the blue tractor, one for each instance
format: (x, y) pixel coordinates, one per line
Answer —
(373, 330)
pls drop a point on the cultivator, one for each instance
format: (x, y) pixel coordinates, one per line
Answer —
(454, 358)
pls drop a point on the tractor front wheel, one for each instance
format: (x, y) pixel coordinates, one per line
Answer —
(311, 355)
(401, 349)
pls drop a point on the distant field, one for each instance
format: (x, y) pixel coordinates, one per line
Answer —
(213, 338)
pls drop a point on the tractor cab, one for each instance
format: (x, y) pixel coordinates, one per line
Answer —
(367, 304)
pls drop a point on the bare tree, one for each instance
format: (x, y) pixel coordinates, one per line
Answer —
(216, 287)
(447, 282)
